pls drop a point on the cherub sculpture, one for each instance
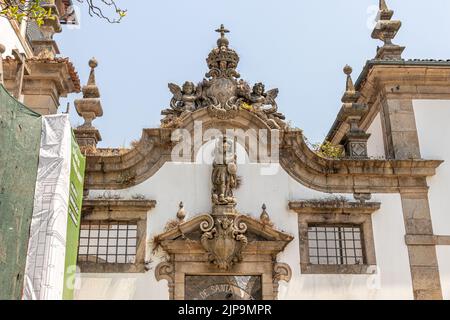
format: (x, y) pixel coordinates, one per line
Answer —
(260, 98)
(184, 99)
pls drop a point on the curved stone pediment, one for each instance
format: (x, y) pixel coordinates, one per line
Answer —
(188, 230)
(111, 169)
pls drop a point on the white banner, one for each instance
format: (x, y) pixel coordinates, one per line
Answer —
(44, 272)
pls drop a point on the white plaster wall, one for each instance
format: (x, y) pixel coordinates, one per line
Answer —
(432, 117)
(432, 120)
(375, 145)
(443, 255)
(190, 183)
(9, 38)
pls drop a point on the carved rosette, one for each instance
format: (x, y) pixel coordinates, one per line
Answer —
(224, 240)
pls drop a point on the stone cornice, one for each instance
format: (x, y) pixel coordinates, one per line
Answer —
(112, 209)
(334, 207)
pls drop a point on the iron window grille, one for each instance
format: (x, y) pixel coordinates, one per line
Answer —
(335, 245)
(108, 242)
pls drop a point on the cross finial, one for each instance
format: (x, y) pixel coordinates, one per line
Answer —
(222, 31)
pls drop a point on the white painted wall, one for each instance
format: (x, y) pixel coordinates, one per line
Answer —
(375, 145)
(190, 183)
(432, 120)
(432, 117)
(9, 38)
(443, 255)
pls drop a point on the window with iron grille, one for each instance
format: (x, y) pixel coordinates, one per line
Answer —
(108, 242)
(335, 244)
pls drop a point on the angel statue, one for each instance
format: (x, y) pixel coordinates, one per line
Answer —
(224, 178)
(184, 99)
(259, 99)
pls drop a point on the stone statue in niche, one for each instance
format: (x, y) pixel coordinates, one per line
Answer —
(224, 178)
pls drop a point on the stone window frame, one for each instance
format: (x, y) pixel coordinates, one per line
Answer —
(106, 210)
(336, 213)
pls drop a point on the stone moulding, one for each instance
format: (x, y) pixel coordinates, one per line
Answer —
(113, 172)
(339, 207)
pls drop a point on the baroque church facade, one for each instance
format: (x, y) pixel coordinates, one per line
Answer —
(225, 200)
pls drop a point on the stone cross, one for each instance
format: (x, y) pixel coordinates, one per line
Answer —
(222, 31)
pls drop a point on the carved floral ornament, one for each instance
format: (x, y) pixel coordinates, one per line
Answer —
(221, 93)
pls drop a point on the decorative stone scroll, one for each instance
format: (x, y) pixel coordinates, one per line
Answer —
(166, 271)
(224, 239)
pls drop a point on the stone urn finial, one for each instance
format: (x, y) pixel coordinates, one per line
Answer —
(264, 217)
(181, 213)
(90, 106)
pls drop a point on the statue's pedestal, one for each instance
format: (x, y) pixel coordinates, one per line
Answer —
(224, 210)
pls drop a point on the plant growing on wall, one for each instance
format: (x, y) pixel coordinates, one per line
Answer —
(38, 10)
(328, 150)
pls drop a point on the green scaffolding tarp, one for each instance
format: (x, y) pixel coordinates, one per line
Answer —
(20, 134)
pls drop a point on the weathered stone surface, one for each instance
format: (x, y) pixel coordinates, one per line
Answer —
(416, 208)
(418, 226)
(422, 256)
(405, 145)
(425, 279)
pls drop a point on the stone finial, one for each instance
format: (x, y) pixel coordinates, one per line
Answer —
(90, 108)
(386, 30)
(264, 217)
(45, 46)
(92, 64)
(2, 51)
(350, 94)
(355, 140)
(181, 213)
(90, 90)
(222, 61)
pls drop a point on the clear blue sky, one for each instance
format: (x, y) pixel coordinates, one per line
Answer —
(298, 46)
